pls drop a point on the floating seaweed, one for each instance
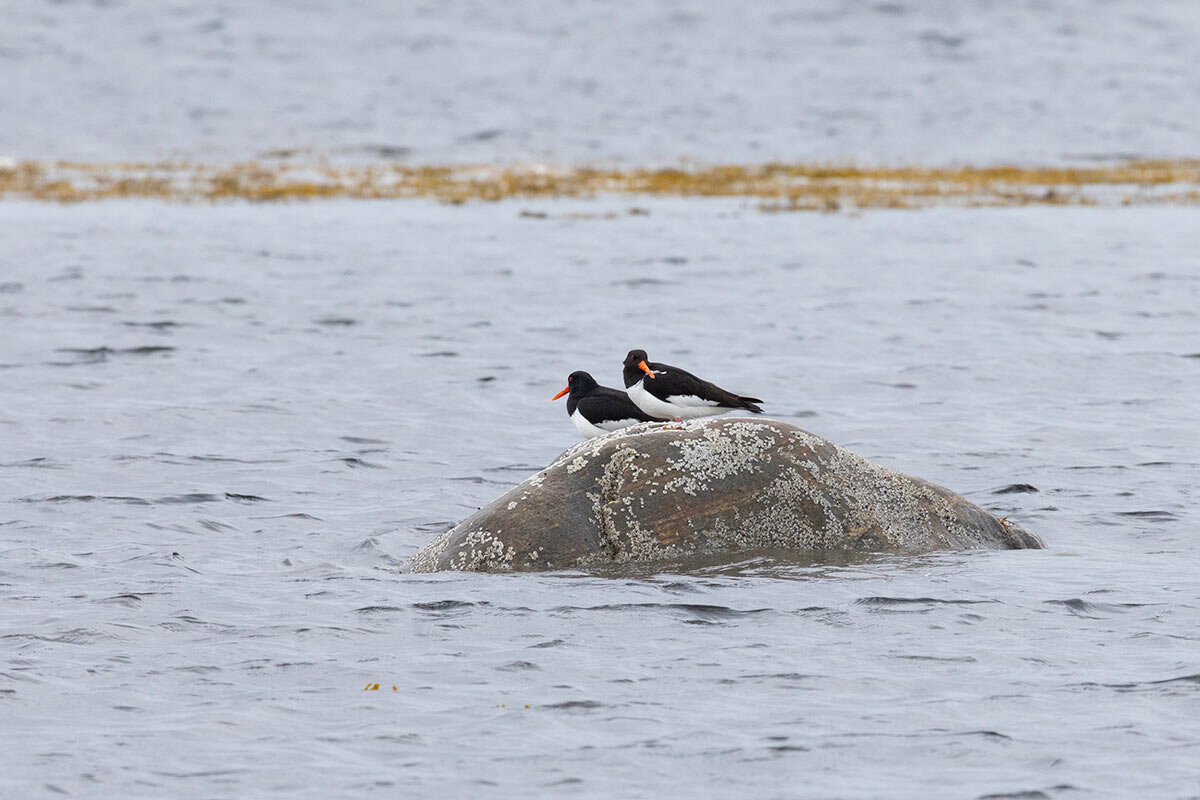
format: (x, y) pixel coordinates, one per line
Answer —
(777, 187)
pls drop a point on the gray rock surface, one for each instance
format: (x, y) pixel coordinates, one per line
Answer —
(660, 491)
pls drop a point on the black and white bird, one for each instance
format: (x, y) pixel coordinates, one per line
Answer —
(597, 409)
(666, 392)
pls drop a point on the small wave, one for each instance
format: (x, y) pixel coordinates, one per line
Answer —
(884, 602)
(103, 351)
(158, 325)
(484, 135)
(207, 773)
(392, 151)
(183, 499)
(681, 587)
(358, 463)
(984, 733)
(41, 462)
(230, 460)
(1156, 515)
(637, 283)
(129, 600)
(1017, 488)
(1094, 610)
(88, 498)
(445, 605)
(434, 527)
(260, 408)
(80, 636)
(716, 612)
(1184, 679)
(698, 613)
(1185, 682)
(778, 676)
(1027, 794)
(576, 705)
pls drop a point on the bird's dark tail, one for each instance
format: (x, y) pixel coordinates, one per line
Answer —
(749, 404)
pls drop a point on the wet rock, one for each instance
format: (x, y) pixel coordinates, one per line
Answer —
(659, 491)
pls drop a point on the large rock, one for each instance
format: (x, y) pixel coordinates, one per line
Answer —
(665, 490)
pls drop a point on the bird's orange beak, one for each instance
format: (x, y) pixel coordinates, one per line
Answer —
(560, 394)
(642, 366)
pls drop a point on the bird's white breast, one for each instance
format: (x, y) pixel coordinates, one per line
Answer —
(586, 428)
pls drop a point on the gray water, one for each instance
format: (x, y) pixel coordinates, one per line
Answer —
(226, 428)
(880, 81)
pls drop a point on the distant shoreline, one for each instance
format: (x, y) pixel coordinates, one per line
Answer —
(777, 187)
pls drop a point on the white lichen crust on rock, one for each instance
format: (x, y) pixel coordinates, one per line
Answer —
(659, 491)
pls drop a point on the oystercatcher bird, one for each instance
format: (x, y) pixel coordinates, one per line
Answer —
(597, 409)
(667, 392)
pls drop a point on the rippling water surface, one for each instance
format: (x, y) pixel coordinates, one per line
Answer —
(225, 429)
(879, 81)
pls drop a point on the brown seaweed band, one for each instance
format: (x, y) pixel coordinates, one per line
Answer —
(777, 187)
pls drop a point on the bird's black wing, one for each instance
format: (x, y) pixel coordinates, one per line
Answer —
(676, 382)
(608, 405)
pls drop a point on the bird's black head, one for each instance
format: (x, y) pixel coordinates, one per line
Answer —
(581, 382)
(578, 383)
(636, 367)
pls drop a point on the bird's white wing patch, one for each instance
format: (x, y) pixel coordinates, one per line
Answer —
(690, 400)
(682, 407)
